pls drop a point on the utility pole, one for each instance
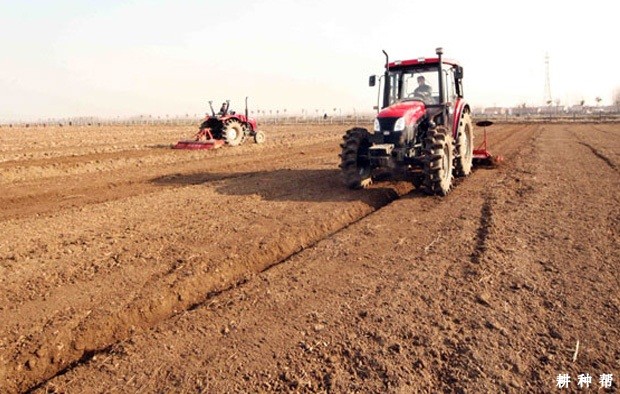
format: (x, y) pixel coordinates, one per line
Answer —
(548, 99)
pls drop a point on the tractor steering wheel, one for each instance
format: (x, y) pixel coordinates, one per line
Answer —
(422, 95)
(425, 97)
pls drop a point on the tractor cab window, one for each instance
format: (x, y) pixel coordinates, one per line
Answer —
(395, 82)
(422, 86)
(414, 84)
(451, 95)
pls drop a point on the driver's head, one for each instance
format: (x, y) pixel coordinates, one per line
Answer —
(421, 80)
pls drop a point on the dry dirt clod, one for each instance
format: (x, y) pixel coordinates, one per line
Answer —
(484, 298)
(31, 363)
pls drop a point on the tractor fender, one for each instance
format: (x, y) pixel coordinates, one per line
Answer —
(460, 107)
(253, 125)
(249, 122)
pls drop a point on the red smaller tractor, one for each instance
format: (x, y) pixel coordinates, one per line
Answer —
(225, 127)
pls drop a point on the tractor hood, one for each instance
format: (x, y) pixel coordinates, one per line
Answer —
(410, 110)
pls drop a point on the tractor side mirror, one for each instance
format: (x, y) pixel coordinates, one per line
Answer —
(459, 72)
(372, 81)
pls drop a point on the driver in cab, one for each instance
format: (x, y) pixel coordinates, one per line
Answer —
(423, 90)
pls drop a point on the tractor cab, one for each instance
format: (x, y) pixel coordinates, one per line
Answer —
(413, 83)
(416, 88)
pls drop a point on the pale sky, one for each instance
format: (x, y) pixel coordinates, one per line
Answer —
(123, 58)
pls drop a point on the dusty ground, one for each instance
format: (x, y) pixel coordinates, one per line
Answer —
(129, 267)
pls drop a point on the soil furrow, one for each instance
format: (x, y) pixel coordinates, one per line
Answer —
(259, 271)
(51, 195)
(199, 267)
(206, 296)
(482, 234)
(601, 156)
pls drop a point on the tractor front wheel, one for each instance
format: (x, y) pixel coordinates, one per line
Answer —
(234, 133)
(355, 162)
(438, 161)
(259, 137)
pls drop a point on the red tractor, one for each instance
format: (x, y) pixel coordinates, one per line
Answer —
(225, 127)
(424, 127)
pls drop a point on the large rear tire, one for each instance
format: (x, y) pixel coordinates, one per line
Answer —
(355, 162)
(234, 133)
(464, 147)
(439, 161)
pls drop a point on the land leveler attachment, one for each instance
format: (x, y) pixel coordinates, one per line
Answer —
(482, 156)
(202, 140)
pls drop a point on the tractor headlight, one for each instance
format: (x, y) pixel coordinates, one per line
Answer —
(399, 125)
(377, 126)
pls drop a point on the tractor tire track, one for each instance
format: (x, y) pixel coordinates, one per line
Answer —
(606, 142)
(482, 234)
(601, 156)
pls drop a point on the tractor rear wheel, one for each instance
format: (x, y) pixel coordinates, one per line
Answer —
(438, 161)
(464, 147)
(355, 162)
(234, 133)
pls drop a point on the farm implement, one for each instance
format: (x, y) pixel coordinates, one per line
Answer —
(481, 155)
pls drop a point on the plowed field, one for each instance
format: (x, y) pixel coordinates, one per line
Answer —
(126, 266)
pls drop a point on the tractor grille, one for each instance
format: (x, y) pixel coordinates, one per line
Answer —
(387, 124)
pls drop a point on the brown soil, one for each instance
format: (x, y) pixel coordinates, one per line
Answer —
(126, 266)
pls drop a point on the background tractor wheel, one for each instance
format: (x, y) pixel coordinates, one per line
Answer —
(355, 163)
(464, 147)
(233, 133)
(438, 164)
(259, 137)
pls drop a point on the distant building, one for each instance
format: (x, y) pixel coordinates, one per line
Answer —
(494, 111)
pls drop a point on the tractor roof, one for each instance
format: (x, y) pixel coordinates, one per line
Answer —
(420, 61)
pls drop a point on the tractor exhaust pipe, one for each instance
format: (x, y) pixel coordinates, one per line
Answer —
(211, 105)
(386, 86)
(246, 108)
(442, 96)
